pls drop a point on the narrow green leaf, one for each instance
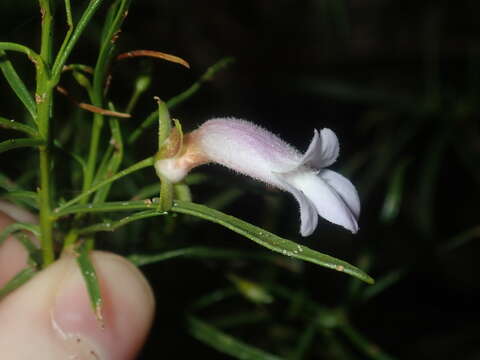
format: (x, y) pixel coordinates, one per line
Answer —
(109, 18)
(12, 228)
(19, 143)
(269, 240)
(17, 85)
(118, 11)
(113, 225)
(252, 232)
(7, 184)
(13, 188)
(108, 207)
(102, 168)
(15, 125)
(18, 280)
(70, 26)
(197, 252)
(34, 253)
(22, 194)
(135, 167)
(11, 46)
(28, 198)
(113, 164)
(224, 343)
(91, 281)
(63, 55)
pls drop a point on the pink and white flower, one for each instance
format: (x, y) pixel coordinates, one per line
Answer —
(253, 151)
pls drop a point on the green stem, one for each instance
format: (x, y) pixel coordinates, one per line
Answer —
(43, 98)
(166, 194)
(47, 31)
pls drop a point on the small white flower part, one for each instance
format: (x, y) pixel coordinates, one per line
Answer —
(251, 150)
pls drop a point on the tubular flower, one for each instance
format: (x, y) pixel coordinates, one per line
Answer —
(251, 150)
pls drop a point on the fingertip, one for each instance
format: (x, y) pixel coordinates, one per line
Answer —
(128, 308)
(53, 313)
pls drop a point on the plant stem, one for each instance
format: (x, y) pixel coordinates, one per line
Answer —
(47, 31)
(43, 97)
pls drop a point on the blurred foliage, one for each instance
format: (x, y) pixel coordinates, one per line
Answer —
(399, 83)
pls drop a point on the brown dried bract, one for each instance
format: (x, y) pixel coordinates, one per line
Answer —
(154, 54)
(90, 107)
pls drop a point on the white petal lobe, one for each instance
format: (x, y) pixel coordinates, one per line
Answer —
(308, 213)
(326, 150)
(329, 204)
(344, 188)
(313, 152)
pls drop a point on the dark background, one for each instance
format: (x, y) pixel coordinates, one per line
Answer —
(397, 81)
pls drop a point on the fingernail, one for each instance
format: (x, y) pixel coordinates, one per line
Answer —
(127, 311)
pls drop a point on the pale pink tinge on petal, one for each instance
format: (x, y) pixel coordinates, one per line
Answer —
(247, 148)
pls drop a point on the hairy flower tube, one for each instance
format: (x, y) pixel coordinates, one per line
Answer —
(253, 151)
